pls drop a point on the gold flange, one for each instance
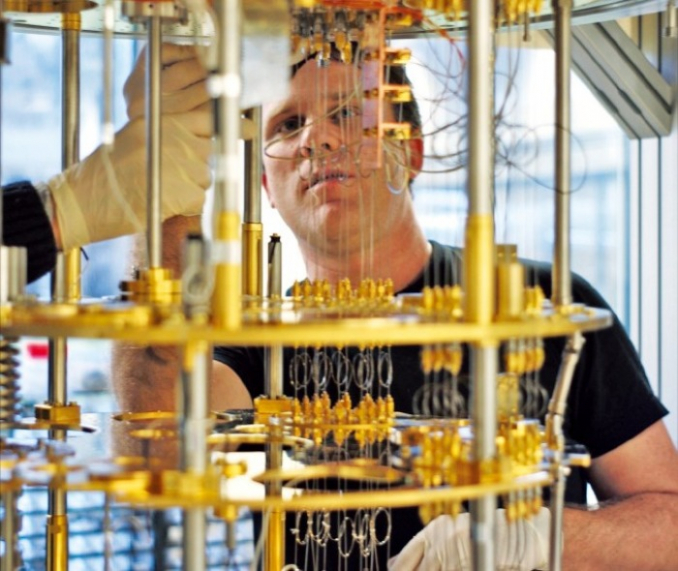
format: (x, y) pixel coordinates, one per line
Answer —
(153, 325)
(48, 6)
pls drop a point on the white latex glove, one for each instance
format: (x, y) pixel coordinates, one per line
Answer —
(104, 195)
(445, 545)
(183, 86)
(182, 82)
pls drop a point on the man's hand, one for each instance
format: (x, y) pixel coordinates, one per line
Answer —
(104, 195)
(445, 544)
(182, 82)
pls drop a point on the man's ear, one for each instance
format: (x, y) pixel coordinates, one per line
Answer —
(415, 156)
(264, 183)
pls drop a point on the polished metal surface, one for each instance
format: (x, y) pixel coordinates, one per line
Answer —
(562, 278)
(253, 168)
(153, 136)
(555, 436)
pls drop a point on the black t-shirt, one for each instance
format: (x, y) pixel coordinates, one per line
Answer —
(610, 400)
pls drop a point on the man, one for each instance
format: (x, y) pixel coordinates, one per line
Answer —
(352, 220)
(104, 195)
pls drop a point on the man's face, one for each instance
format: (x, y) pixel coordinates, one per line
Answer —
(320, 171)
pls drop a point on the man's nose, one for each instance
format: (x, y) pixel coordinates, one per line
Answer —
(319, 137)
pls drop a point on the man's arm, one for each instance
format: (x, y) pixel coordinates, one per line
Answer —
(637, 525)
(145, 377)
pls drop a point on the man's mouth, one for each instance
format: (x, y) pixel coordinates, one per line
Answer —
(328, 176)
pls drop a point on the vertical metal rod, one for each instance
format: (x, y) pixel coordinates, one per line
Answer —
(481, 106)
(195, 380)
(253, 168)
(195, 413)
(194, 391)
(65, 283)
(252, 227)
(484, 375)
(109, 22)
(226, 87)
(555, 439)
(479, 265)
(562, 279)
(274, 378)
(153, 143)
(9, 532)
(70, 105)
(274, 547)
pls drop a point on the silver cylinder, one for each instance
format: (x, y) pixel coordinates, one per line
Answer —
(273, 382)
(108, 71)
(154, 142)
(194, 391)
(562, 279)
(226, 86)
(484, 364)
(253, 170)
(195, 388)
(70, 99)
(274, 267)
(195, 538)
(480, 96)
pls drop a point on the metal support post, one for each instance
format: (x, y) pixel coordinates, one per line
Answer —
(479, 266)
(252, 227)
(65, 286)
(562, 278)
(274, 547)
(225, 86)
(555, 440)
(154, 142)
(194, 391)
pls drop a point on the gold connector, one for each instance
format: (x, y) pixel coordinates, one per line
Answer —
(226, 306)
(58, 413)
(73, 269)
(153, 285)
(252, 255)
(71, 21)
(479, 269)
(265, 407)
(57, 542)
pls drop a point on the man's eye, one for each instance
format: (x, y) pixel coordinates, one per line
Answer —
(347, 112)
(289, 125)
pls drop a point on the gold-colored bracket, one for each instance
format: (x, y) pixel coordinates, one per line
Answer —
(68, 414)
(153, 285)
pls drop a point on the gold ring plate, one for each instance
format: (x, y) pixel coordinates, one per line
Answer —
(393, 497)
(43, 15)
(137, 324)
